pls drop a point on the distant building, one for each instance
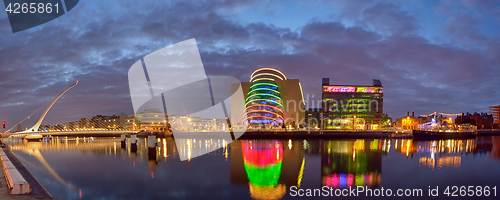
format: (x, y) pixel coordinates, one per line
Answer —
(481, 120)
(495, 112)
(409, 122)
(84, 123)
(313, 117)
(352, 106)
(151, 120)
(19, 128)
(71, 125)
(130, 123)
(123, 120)
(97, 122)
(197, 124)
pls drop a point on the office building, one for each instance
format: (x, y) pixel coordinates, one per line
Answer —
(352, 107)
(495, 112)
(313, 118)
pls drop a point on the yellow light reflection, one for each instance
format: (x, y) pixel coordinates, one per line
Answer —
(164, 148)
(301, 172)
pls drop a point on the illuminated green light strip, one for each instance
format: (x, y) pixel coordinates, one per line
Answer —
(265, 176)
(271, 84)
(272, 101)
(274, 90)
(265, 94)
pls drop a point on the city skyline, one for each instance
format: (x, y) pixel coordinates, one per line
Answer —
(430, 56)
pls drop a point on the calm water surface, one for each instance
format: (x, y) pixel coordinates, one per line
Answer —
(98, 168)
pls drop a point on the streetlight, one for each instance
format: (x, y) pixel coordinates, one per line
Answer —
(354, 123)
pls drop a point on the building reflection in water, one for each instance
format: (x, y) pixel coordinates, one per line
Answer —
(495, 151)
(267, 167)
(445, 153)
(164, 149)
(347, 163)
(191, 148)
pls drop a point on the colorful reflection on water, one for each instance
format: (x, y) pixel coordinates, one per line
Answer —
(99, 168)
(352, 163)
(263, 161)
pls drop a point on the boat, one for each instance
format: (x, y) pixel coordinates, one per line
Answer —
(436, 131)
(34, 137)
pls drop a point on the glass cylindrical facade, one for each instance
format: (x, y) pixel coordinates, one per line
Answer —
(263, 103)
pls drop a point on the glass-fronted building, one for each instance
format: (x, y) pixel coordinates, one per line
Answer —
(271, 101)
(352, 107)
(264, 106)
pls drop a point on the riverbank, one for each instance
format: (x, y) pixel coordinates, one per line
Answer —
(37, 190)
(291, 135)
(325, 134)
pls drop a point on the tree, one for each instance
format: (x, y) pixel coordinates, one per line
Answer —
(386, 121)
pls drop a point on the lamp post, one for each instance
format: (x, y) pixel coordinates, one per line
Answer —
(354, 123)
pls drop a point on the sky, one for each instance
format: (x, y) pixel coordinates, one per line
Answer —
(430, 55)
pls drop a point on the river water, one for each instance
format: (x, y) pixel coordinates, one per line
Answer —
(98, 168)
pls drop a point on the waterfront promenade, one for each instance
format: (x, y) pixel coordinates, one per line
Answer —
(38, 191)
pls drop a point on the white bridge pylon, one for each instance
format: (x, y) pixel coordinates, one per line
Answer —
(37, 125)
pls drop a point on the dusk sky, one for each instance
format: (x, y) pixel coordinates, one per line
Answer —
(429, 55)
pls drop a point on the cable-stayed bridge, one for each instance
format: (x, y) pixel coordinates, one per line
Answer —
(98, 128)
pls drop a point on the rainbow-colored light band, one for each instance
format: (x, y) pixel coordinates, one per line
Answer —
(269, 95)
